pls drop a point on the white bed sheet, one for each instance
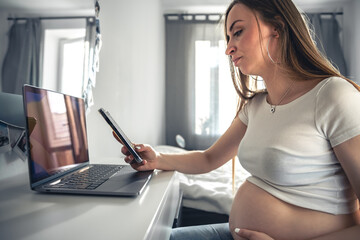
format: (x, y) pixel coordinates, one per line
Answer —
(211, 191)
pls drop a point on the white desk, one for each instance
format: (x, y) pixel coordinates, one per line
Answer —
(25, 214)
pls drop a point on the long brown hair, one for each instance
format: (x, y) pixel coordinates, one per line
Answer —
(299, 56)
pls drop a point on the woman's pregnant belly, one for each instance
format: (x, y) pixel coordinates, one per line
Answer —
(255, 209)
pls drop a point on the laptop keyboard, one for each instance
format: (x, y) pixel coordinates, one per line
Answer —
(90, 178)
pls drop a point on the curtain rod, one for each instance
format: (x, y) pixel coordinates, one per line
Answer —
(325, 13)
(214, 14)
(49, 18)
(193, 14)
(214, 17)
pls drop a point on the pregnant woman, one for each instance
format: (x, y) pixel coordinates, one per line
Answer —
(299, 138)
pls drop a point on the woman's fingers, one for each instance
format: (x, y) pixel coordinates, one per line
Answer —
(125, 151)
(139, 148)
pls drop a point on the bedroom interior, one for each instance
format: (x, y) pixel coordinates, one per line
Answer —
(147, 78)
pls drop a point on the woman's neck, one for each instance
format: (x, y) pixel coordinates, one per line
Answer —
(283, 88)
(278, 85)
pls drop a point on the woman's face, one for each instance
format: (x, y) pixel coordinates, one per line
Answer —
(244, 41)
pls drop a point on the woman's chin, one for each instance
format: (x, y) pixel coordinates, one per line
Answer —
(248, 72)
(244, 69)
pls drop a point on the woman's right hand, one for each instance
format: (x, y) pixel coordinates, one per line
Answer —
(146, 152)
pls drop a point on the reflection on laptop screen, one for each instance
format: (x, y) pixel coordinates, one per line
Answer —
(56, 132)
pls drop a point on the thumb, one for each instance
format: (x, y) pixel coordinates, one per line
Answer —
(251, 235)
(244, 232)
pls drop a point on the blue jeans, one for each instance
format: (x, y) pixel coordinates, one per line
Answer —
(202, 232)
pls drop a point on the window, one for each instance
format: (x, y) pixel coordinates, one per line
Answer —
(63, 55)
(72, 65)
(215, 96)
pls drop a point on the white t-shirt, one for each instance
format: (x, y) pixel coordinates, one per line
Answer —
(289, 153)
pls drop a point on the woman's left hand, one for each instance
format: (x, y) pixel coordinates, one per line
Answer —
(252, 235)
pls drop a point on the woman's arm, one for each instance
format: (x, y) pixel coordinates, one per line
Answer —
(348, 154)
(192, 162)
(219, 153)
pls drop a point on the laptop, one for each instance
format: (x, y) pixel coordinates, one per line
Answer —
(58, 150)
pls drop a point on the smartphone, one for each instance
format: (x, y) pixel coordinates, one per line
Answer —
(128, 144)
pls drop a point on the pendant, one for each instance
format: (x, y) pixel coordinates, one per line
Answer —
(272, 109)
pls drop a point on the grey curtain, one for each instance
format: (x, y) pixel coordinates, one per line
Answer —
(180, 79)
(327, 31)
(21, 62)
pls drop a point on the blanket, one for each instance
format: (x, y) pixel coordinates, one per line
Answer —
(213, 191)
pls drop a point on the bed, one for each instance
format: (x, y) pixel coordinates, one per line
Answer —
(207, 198)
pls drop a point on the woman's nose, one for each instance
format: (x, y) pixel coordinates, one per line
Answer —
(229, 50)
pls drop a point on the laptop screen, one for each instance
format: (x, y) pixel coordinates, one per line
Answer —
(56, 130)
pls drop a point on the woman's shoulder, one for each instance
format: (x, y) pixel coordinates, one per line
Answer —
(336, 93)
(337, 111)
(335, 85)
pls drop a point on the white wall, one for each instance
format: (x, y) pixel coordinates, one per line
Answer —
(130, 83)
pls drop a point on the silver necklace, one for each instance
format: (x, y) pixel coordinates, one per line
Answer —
(273, 107)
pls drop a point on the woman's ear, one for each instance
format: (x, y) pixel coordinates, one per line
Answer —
(279, 27)
(275, 33)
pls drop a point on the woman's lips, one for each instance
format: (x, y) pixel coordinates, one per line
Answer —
(236, 60)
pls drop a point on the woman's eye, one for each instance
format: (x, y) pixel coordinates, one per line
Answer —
(237, 33)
